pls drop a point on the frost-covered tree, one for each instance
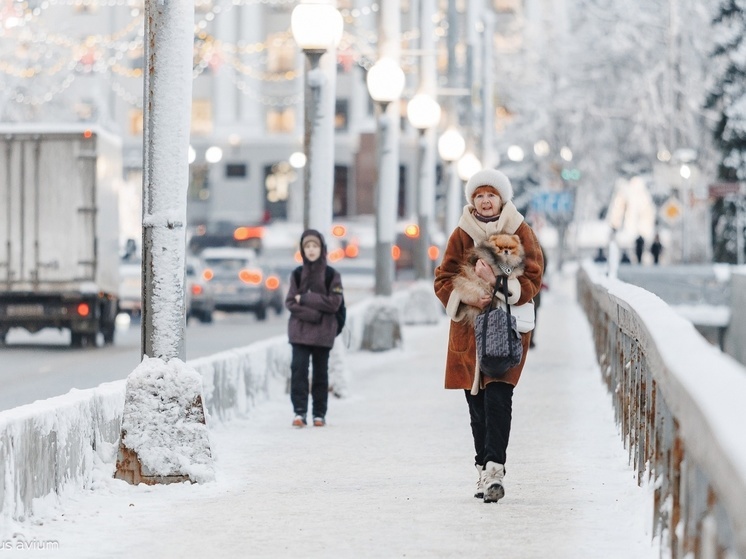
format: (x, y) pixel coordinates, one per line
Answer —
(728, 94)
(727, 99)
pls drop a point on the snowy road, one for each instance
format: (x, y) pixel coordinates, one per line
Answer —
(392, 474)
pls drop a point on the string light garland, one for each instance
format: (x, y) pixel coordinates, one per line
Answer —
(31, 51)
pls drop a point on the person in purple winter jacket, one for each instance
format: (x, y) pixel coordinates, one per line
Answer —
(313, 298)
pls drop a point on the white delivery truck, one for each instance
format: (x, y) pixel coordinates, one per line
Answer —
(59, 230)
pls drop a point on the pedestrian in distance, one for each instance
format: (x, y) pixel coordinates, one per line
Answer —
(625, 258)
(600, 257)
(639, 248)
(656, 248)
(312, 327)
(489, 211)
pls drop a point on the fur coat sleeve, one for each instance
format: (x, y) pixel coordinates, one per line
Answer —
(461, 363)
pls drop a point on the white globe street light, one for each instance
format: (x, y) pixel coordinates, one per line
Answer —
(468, 165)
(297, 160)
(213, 154)
(515, 153)
(451, 145)
(316, 26)
(423, 112)
(385, 81)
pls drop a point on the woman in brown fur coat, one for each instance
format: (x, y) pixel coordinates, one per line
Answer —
(489, 210)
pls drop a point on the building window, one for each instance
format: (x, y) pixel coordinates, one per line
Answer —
(199, 185)
(507, 6)
(135, 122)
(277, 180)
(281, 54)
(341, 114)
(236, 170)
(281, 120)
(340, 202)
(201, 117)
(86, 8)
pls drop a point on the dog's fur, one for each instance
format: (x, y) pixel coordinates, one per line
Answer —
(498, 250)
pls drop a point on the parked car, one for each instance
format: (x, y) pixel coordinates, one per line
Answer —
(240, 282)
(404, 249)
(200, 299)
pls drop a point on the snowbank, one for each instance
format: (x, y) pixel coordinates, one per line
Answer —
(50, 446)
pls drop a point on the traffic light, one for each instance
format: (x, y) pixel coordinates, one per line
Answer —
(570, 174)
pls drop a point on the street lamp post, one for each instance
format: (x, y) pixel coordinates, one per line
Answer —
(316, 26)
(385, 82)
(423, 112)
(451, 146)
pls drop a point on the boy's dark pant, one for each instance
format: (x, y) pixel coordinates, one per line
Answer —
(319, 358)
(491, 411)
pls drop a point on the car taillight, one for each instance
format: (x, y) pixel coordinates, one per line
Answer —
(244, 233)
(83, 309)
(352, 251)
(297, 257)
(197, 289)
(395, 252)
(253, 277)
(339, 231)
(272, 283)
(208, 274)
(337, 254)
(433, 252)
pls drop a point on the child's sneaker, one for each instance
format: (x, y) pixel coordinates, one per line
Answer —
(299, 421)
(319, 421)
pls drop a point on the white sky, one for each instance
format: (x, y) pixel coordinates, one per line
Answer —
(392, 473)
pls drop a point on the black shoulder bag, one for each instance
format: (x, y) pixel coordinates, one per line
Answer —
(499, 346)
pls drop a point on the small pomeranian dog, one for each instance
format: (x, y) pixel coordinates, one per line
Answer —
(503, 253)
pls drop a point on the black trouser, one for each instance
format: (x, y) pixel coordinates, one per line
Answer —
(490, 412)
(319, 357)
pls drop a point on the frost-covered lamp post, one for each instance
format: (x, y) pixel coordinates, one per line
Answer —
(316, 26)
(451, 146)
(385, 82)
(164, 436)
(423, 112)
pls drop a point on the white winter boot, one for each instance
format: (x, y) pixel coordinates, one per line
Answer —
(492, 481)
(479, 493)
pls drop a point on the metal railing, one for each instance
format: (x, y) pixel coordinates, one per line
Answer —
(679, 403)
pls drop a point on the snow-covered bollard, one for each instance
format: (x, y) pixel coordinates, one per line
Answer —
(419, 305)
(381, 325)
(338, 368)
(164, 435)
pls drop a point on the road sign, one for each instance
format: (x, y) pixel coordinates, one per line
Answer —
(553, 203)
(671, 211)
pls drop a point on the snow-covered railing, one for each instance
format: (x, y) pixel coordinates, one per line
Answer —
(51, 446)
(679, 402)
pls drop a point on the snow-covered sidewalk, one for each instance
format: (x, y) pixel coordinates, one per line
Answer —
(392, 473)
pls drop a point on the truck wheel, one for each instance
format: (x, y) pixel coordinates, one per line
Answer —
(76, 339)
(206, 317)
(108, 332)
(2, 337)
(261, 313)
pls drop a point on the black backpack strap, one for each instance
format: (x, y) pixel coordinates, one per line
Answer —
(329, 277)
(296, 275)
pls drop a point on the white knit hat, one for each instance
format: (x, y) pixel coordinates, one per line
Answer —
(489, 177)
